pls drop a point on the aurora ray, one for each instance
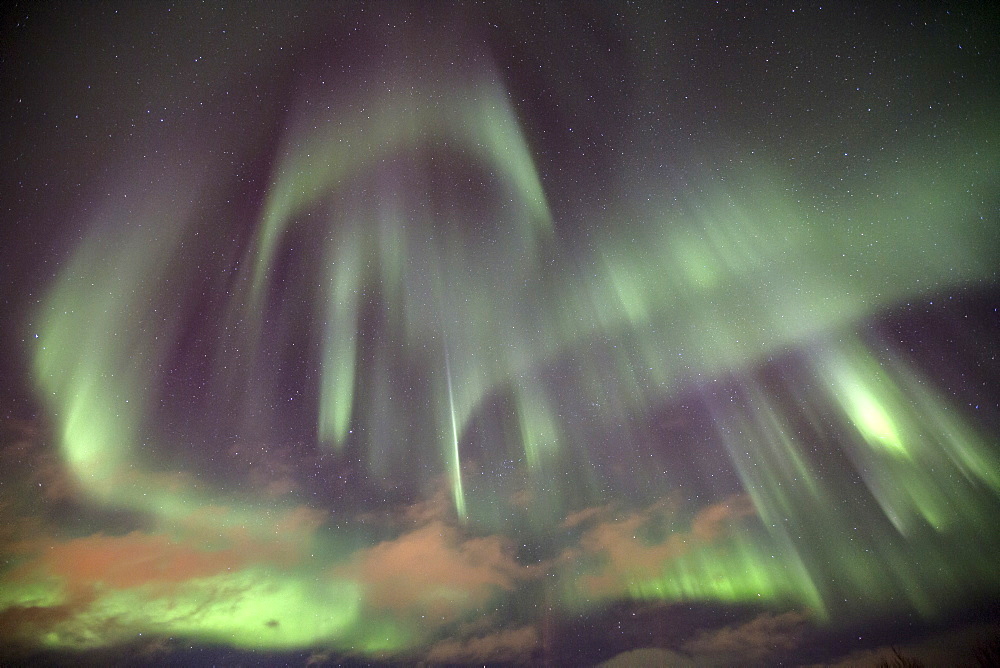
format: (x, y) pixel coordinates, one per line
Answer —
(452, 340)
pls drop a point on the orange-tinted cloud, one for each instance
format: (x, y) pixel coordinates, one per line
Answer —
(61, 585)
(131, 561)
(434, 571)
(627, 554)
(574, 520)
(209, 542)
(712, 521)
(79, 571)
(300, 520)
(438, 508)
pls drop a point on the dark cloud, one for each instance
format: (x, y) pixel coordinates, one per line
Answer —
(766, 634)
(513, 646)
(650, 657)
(974, 644)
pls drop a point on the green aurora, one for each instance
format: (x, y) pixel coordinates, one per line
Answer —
(453, 347)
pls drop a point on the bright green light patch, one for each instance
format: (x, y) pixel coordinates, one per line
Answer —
(252, 609)
(873, 421)
(32, 593)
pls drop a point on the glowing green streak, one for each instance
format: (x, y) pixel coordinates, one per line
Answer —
(339, 343)
(539, 428)
(95, 359)
(455, 468)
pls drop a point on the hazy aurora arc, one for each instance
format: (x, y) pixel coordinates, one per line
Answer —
(487, 312)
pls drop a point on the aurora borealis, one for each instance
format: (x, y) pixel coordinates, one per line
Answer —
(531, 333)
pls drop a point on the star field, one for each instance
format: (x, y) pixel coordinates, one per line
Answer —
(475, 332)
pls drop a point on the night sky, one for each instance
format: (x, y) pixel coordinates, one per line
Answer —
(522, 333)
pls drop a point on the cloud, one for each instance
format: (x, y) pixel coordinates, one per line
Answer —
(574, 520)
(957, 646)
(434, 571)
(73, 588)
(132, 560)
(438, 508)
(624, 545)
(277, 535)
(763, 635)
(710, 522)
(31, 466)
(649, 657)
(318, 658)
(271, 468)
(23, 624)
(508, 646)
